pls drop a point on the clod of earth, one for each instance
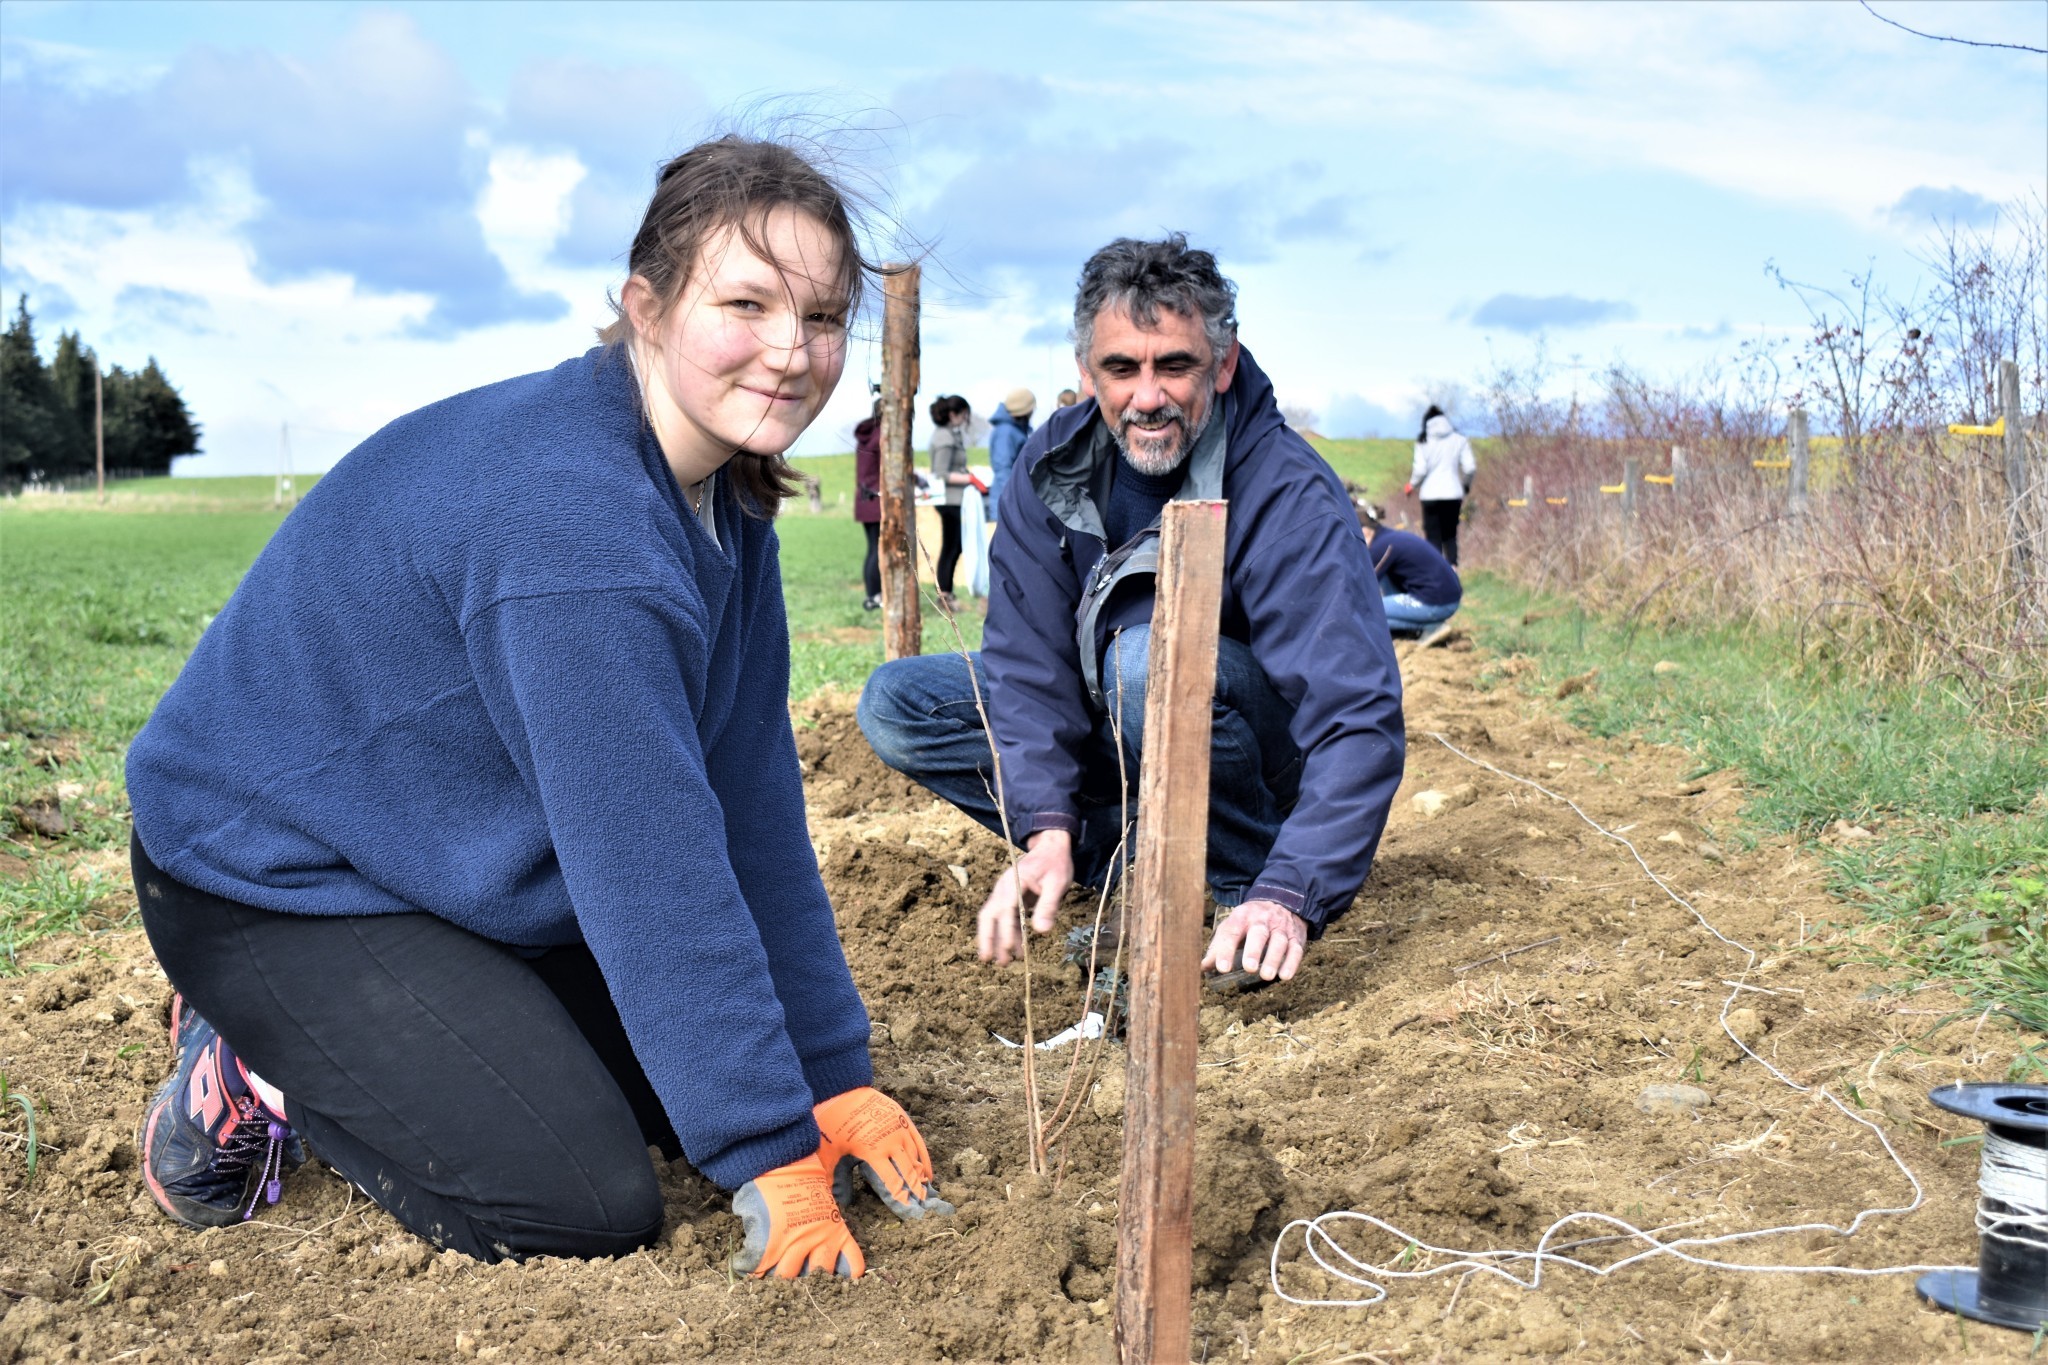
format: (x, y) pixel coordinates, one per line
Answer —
(1664, 1098)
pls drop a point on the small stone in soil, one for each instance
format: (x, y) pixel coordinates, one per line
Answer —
(1672, 1099)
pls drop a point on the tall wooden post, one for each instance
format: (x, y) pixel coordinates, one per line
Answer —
(902, 626)
(1528, 492)
(1155, 1202)
(99, 432)
(1795, 448)
(1678, 472)
(2028, 520)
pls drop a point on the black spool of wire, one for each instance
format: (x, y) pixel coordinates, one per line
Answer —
(2009, 1287)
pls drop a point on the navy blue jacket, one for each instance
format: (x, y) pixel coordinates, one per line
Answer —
(1299, 591)
(493, 668)
(1408, 563)
(1006, 437)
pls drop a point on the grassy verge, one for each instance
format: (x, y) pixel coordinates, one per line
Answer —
(1952, 881)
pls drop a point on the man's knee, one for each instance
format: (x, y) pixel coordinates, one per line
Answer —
(906, 703)
(884, 715)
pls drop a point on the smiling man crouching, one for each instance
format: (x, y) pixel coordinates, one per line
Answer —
(1307, 744)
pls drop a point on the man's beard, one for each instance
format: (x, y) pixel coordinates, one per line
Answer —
(1161, 450)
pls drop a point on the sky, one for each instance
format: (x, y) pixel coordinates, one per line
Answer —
(317, 217)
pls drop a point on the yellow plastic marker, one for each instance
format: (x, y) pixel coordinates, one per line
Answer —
(1614, 488)
(1518, 502)
(1995, 429)
(1558, 502)
(1664, 479)
(1770, 464)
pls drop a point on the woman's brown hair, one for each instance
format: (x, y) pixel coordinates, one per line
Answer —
(737, 182)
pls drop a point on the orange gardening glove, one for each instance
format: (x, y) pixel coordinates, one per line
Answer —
(868, 1132)
(792, 1225)
(1407, 488)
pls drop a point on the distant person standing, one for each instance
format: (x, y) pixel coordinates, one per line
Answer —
(867, 501)
(1418, 587)
(1443, 476)
(1008, 425)
(950, 479)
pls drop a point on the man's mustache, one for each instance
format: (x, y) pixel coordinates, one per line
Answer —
(1156, 418)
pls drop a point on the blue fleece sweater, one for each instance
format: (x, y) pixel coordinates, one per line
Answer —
(493, 668)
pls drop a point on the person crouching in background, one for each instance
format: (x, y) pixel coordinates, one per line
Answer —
(1418, 587)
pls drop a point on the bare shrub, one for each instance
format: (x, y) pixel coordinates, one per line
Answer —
(1904, 565)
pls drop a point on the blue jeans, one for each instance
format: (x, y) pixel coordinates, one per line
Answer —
(919, 715)
(1405, 613)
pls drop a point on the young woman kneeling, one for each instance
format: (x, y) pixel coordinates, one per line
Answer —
(471, 836)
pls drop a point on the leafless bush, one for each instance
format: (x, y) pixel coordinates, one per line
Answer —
(1903, 565)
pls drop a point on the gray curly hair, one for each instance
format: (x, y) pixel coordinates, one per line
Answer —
(1148, 276)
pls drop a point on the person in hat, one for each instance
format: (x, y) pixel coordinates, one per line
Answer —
(1008, 426)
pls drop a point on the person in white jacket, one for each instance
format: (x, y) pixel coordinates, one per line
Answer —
(1443, 475)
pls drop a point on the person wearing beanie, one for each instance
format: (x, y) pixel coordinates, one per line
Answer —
(1008, 426)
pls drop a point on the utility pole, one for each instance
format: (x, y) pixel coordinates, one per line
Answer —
(902, 626)
(99, 431)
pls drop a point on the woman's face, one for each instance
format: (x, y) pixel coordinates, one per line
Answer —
(751, 350)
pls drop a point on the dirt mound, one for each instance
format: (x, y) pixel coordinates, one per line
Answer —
(1462, 1055)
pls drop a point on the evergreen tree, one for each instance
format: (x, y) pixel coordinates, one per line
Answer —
(71, 376)
(46, 413)
(36, 435)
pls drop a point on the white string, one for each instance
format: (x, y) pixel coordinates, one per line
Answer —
(2015, 1175)
(1316, 1238)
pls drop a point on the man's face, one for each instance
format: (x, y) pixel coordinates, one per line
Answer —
(1156, 385)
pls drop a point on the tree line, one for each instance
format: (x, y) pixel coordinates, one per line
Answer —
(46, 411)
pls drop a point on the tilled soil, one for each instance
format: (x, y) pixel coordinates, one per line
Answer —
(1462, 1056)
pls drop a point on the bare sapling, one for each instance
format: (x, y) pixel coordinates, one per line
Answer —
(1043, 1132)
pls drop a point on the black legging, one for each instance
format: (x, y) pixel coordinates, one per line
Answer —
(871, 567)
(1440, 526)
(949, 545)
(489, 1101)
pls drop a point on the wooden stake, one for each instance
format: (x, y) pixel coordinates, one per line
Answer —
(1155, 1220)
(902, 628)
(1678, 472)
(99, 432)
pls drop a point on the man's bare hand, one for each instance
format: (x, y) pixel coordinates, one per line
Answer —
(1044, 872)
(1273, 936)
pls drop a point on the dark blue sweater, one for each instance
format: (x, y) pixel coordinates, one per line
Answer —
(1298, 590)
(494, 669)
(1408, 563)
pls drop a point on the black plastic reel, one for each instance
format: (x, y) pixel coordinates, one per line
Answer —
(2009, 1287)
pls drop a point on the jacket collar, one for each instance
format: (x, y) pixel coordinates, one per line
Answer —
(1073, 477)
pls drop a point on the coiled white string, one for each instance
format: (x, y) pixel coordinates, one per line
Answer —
(1317, 1239)
(2015, 1175)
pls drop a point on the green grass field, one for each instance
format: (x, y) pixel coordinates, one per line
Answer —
(107, 603)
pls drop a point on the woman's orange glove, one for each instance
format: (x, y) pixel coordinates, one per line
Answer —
(792, 1225)
(868, 1132)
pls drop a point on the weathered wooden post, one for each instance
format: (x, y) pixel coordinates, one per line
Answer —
(902, 626)
(1795, 449)
(2027, 519)
(1631, 488)
(1528, 491)
(1678, 475)
(99, 432)
(1155, 1201)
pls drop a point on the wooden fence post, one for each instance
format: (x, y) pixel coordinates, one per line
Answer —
(902, 624)
(1528, 492)
(1155, 1200)
(1795, 451)
(1631, 486)
(1678, 472)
